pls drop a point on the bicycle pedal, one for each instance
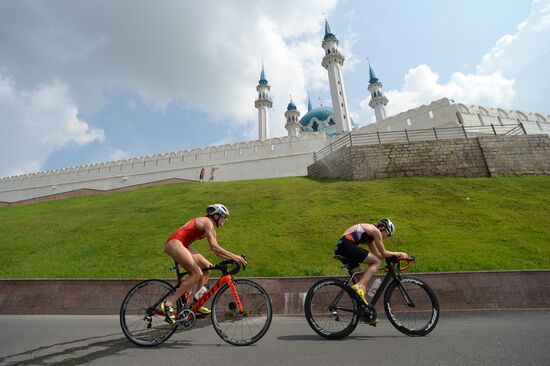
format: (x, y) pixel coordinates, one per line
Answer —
(373, 322)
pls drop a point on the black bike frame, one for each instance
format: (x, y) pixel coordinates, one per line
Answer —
(391, 275)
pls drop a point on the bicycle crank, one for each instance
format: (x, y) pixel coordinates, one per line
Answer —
(186, 318)
(369, 315)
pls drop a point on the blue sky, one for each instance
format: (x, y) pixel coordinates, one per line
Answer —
(86, 82)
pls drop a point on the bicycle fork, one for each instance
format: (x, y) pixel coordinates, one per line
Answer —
(227, 279)
(235, 294)
(399, 281)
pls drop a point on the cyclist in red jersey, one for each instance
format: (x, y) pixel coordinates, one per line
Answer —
(178, 247)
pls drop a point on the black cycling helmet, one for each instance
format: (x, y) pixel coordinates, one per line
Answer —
(388, 225)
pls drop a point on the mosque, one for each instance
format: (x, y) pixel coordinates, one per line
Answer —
(336, 120)
(320, 129)
(331, 121)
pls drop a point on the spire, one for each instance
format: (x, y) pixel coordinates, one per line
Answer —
(292, 123)
(309, 107)
(263, 103)
(291, 106)
(327, 27)
(328, 33)
(263, 80)
(373, 78)
(378, 100)
(333, 61)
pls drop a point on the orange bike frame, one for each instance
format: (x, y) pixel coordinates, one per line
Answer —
(227, 279)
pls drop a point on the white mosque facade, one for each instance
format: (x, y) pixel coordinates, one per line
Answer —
(268, 157)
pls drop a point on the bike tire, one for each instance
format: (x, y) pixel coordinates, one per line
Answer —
(141, 328)
(242, 329)
(328, 322)
(417, 319)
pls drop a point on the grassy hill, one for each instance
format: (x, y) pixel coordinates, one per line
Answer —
(287, 227)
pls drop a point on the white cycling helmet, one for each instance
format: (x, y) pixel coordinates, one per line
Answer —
(388, 225)
(217, 208)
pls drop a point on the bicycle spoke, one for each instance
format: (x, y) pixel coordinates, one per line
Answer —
(249, 326)
(137, 325)
(330, 309)
(411, 306)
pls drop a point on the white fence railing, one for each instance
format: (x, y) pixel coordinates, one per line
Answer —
(442, 133)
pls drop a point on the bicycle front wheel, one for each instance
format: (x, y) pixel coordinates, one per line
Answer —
(411, 306)
(141, 322)
(331, 309)
(234, 327)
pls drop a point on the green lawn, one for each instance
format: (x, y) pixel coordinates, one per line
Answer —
(286, 227)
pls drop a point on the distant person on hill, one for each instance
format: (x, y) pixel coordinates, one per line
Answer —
(201, 175)
(372, 235)
(212, 174)
(178, 247)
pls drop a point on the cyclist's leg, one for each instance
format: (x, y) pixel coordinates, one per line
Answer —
(374, 264)
(203, 263)
(175, 249)
(355, 255)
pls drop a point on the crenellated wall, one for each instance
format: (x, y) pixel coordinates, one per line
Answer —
(276, 157)
(445, 113)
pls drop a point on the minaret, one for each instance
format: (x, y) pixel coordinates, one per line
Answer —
(333, 62)
(263, 103)
(292, 115)
(378, 100)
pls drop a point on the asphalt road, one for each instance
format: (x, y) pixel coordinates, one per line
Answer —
(481, 338)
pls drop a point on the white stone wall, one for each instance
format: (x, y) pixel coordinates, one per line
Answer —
(276, 157)
(444, 113)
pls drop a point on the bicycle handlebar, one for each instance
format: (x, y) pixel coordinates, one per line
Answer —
(396, 261)
(222, 266)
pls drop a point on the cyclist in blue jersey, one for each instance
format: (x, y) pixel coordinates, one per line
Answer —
(373, 235)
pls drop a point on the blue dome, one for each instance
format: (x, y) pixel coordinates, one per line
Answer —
(321, 113)
(291, 107)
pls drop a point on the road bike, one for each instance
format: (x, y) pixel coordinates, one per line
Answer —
(333, 309)
(241, 309)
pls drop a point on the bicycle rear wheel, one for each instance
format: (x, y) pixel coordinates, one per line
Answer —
(411, 307)
(331, 309)
(141, 323)
(234, 327)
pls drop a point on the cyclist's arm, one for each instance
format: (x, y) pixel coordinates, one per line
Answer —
(378, 244)
(210, 234)
(374, 250)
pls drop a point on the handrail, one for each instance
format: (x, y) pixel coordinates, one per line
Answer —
(407, 136)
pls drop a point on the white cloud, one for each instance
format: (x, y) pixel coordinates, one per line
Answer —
(117, 154)
(36, 123)
(204, 54)
(421, 86)
(513, 53)
(495, 80)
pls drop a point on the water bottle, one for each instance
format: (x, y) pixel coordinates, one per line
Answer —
(374, 287)
(201, 292)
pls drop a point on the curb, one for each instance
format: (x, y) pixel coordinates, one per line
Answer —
(492, 290)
